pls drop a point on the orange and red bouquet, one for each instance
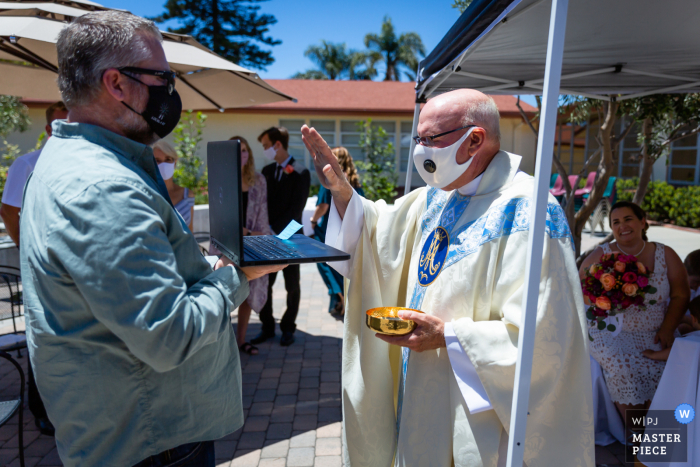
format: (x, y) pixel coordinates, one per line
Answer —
(614, 284)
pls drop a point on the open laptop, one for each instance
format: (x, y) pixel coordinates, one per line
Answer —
(226, 219)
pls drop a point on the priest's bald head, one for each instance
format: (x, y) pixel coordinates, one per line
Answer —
(457, 109)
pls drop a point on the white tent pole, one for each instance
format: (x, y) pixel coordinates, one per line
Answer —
(526, 337)
(409, 166)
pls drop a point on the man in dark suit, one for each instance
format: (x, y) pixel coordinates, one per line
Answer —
(288, 184)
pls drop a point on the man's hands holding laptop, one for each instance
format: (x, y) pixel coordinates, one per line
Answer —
(251, 272)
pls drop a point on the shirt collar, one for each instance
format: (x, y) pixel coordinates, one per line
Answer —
(286, 161)
(470, 188)
(139, 154)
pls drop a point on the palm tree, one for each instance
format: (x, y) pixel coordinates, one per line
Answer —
(335, 61)
(396, 52)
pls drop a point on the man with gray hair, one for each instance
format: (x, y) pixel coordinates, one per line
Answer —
(456, 250)
(128, 325)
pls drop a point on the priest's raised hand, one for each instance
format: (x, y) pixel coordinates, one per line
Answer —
(327, 168)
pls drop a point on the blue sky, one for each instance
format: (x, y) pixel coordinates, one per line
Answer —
(300, 24)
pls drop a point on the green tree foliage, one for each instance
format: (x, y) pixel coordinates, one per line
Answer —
(379, 167)
(665, 203)
(231, 28)
(189, 172)
(14, 116)
(662, 119)
(397, 52)
(461, 5)
(335, 61)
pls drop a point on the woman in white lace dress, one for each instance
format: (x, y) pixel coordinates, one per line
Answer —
(631, 378)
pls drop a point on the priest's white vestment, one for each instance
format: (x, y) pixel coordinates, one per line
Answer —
(478, 292)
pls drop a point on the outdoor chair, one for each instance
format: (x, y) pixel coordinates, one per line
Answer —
(11, 309)
(602, 211)
(553, 180)
(590, 180)
(8, 408)
(562, 191)
(558, 184)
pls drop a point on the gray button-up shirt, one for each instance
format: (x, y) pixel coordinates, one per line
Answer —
(128, 326)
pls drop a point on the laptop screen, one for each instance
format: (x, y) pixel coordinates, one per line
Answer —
(224, 168)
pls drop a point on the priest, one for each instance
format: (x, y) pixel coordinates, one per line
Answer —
(456, 250)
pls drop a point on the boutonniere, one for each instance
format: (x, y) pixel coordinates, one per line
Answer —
(288, 169)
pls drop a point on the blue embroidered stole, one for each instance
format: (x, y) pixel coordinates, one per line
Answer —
(445, 210)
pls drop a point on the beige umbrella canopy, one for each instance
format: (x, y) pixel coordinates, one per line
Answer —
(28, 64)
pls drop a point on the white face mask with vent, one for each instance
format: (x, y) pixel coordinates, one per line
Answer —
(438, 167)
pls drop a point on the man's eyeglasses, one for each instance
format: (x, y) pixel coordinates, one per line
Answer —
(428, 140)
(168, 75)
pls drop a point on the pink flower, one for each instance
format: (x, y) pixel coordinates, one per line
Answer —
(629, 277)
(603, 303)
(642, 281)
(630, 289)
(641, 268)
(608, 281)
(598, 274)
(593, 269)
(619, 266)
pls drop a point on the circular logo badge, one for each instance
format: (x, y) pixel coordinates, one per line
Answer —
(432, 258)
(684, 413)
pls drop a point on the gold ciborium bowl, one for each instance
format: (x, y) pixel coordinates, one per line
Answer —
(385, 320)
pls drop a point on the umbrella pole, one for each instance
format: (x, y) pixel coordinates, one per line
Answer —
(409, 165)
(526, 337)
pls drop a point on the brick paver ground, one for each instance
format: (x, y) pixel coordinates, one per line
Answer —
(291, 397)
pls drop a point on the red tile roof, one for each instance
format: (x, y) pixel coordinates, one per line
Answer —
(376, 97)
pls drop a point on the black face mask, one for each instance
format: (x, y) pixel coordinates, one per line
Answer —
(162, 110)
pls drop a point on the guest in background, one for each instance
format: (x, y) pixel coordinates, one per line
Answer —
(631, 378)
(692, 267)
(182, 198)
(319, 222)
(288, 184)
(19, 172)
(693, 325)
(17, 177)
(254, 189)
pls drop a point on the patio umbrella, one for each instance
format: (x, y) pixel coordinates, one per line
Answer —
(624, 48)
(28, 61)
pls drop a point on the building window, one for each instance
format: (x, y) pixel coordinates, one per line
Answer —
(350, 135)
(684, 163)
(296, 146)
(326, 128)
(405, 142)
(629, 166)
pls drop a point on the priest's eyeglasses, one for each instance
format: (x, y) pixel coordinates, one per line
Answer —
(167, 75)
(429, 140)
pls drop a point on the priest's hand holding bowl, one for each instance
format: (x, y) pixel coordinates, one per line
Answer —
(428, 335)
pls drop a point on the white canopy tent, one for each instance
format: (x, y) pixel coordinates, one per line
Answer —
(28, 33)
(603, 49)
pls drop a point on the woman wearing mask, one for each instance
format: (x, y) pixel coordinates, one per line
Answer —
(254, 188)
(319, 222)
(182, 198)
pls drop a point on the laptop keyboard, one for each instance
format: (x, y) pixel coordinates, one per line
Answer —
(265, 247)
